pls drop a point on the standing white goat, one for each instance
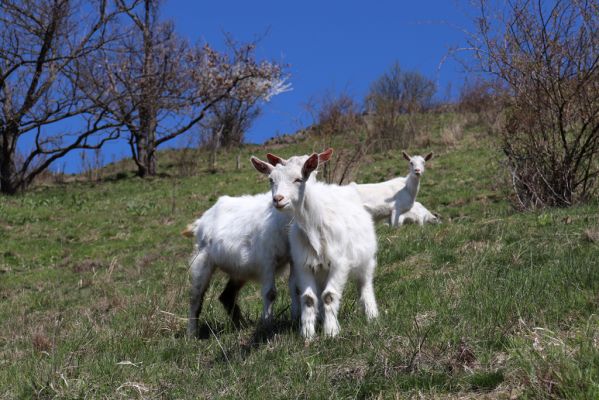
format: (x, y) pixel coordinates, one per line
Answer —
(394, 197)
(246, 238)
(332, 237)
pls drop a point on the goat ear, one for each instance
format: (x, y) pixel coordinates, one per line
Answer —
(274, 160)
(428, 156)
(310, 165)
(325, 155)
(406, 155)
(261, 166)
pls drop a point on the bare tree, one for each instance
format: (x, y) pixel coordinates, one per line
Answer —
(547, 53)
(397, 93)
(338, 123)
(164, 86)
(40, 41)
(226, 125)
(232, 118)
(405, 91)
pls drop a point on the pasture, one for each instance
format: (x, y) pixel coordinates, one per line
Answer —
(492, 303)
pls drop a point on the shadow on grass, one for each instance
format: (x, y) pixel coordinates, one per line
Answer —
(205, 330)
(262, 335)
(267, 330)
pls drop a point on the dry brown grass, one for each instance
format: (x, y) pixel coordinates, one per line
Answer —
(41, 342)
(451, 134)
(591, 235)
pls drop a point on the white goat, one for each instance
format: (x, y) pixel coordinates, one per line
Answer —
(248, 240)
(394, 197)
(418, 214)
(332, 237)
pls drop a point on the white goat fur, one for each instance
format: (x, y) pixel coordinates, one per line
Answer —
(418, 214)
(392, 198)
(246, 238)
(331, 238)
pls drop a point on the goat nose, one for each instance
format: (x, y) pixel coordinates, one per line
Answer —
(277, 198)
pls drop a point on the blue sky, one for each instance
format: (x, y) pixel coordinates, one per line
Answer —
(330, 46)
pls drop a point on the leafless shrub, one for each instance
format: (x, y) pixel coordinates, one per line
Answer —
(227, 123)
(393, 103)
(483, 99)
(337, 123)
(546, 54)
(347, 160)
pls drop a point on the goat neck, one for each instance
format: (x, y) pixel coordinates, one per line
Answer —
(413, 184)
(308, 215)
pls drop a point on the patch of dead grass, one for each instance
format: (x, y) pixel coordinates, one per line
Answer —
(591, 235)
(41, 342)
(354, 371)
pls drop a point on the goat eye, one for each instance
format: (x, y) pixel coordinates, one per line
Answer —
(298, 180)
(271, 181)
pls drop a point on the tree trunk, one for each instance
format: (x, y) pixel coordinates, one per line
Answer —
(215, 145)
(146, 156)
(212, 161)
(9, 182)
(151, 161)
(141, 157)
(151, 156)
(8, 175)
(146, 141)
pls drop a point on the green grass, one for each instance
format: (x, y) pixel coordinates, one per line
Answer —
(492, 303)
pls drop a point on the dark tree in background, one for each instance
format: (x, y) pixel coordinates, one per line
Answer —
(228, 121)
(397, 93)
(40, 44)
(404, 91)
(159, 86)
(547, 54)
(226, 125)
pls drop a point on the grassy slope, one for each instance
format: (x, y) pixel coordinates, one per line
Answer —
(93, 289)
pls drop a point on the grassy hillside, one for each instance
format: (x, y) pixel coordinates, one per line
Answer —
(491, 304)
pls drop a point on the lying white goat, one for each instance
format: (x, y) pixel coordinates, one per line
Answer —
(418, 214)
(246, 238)
(331, 238)
(394, 197)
